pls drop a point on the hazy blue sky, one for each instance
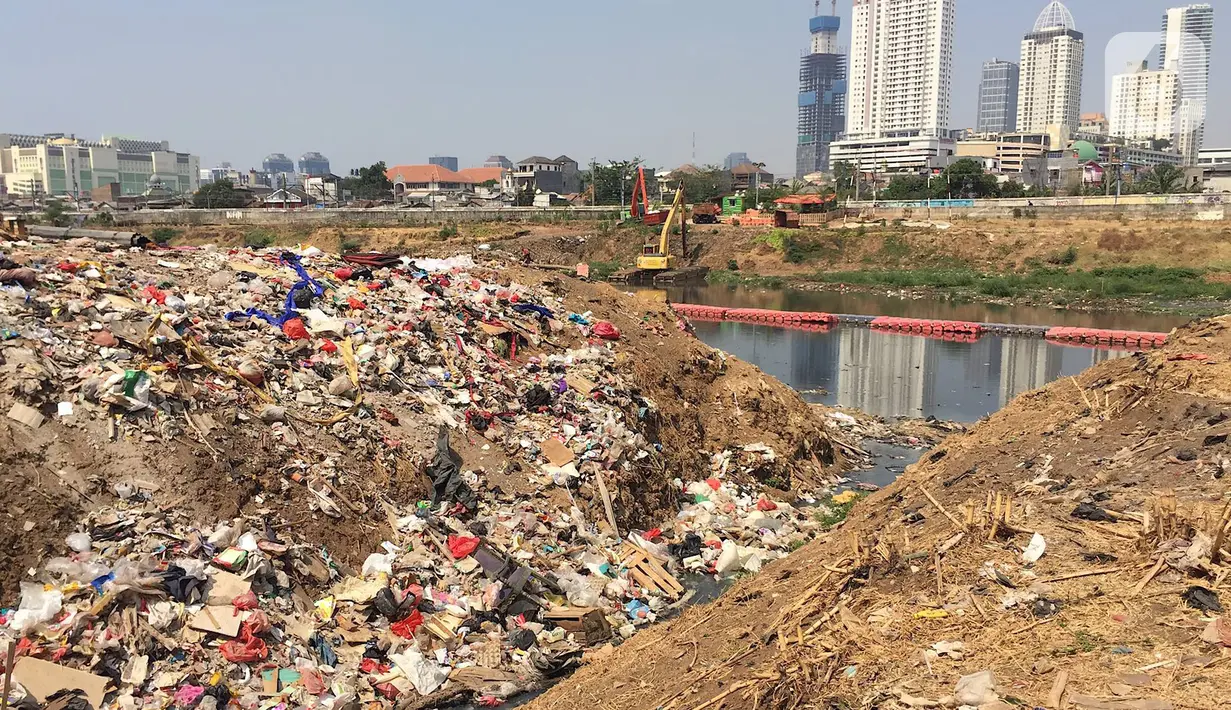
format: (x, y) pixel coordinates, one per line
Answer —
(370, 80)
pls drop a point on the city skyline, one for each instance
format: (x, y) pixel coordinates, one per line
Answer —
(398, 126)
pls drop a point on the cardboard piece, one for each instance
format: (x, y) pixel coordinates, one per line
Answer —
(226, 587)
(221, 620)
(589, 626)
(43, 678)
(580, 384)
(557, 453)
(26, 415)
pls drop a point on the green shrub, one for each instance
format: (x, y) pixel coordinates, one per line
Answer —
(1068, 257)
(348, 244)
(997, 288)
(448, 231)
(257, 238)
(102, 219)
(732, 265)
(162, 235)
(1017, 213)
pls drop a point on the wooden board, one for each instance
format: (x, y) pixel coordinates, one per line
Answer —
(648, 573)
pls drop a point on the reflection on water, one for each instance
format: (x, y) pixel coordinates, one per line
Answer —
(894, 375)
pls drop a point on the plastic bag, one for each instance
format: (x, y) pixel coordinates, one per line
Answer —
(79, 542)
(579, 590)
(246, 601)
(406, 627)
(426, 675)
(377, 563)
(257, 622)
(606, 330)
(246, 649)
(295, 330)
(460, 546)
(38, 606)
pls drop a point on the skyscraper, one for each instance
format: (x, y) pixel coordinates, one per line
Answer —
(901, 67)
(1187, 37)
(313, 164)
(998, 97)
(1053, 55)
(277, 163)
(822, 96)
(734, 160)
(444, 161)
(1143, 104)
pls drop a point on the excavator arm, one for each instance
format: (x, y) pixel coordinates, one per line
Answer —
(658, 257)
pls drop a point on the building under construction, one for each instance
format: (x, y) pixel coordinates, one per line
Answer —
(822, 95)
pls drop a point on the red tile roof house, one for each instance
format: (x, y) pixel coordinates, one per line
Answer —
(419, 181)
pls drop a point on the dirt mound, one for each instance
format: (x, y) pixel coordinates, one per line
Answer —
(205, 448)
(1115, 477)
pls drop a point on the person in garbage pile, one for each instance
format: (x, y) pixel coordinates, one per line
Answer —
(525, 256)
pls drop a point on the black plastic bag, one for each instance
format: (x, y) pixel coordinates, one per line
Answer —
(445, 470)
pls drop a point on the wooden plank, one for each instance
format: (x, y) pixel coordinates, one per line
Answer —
(1056, 695)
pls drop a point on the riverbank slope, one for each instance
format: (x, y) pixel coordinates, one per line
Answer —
(1071, 549)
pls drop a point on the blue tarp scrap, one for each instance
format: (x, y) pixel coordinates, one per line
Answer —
(288, 309)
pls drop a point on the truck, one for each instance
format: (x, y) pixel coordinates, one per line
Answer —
(706, 213)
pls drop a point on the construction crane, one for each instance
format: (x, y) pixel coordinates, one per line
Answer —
(656, 255)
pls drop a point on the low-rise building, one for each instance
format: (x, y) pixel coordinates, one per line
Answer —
(749, 176)
(429, 184)
(1094, 124)
(1214, 156)
(55, 164)
(1010, 150)
(540, 174)
(905, 152)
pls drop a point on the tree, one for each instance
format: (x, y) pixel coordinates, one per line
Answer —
(965, 178)
(1164, 179)
(489, 183)
(1160, 143)
(524, 197)
(613, 182)
(220, 194)
(57, 213)
(709, 184)
(371, 183)
(1012, 188)
(905, 187)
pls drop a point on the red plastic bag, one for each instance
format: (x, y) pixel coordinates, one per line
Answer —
(356, 304)
(606, 331)
(245, 601)
(257, 622)
(329, 346)
(765, 505)
(152, 293)
(246, 649)
(460, 546)
(406, 627)
(295, 330)
(343, 273)
(651, 535)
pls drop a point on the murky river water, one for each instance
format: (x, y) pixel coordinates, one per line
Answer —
(896, 375)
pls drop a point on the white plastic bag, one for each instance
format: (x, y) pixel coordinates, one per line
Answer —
(427, 676)
(38, 606)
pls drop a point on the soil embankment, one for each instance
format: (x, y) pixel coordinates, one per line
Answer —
(1158, 265)
(1070, 551)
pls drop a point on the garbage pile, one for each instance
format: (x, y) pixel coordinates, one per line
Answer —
(407, 480)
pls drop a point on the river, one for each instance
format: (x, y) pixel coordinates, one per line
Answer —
(893, 375)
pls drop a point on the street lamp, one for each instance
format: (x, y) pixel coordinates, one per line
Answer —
(757, 178)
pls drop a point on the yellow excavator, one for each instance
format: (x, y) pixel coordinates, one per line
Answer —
(656, 256)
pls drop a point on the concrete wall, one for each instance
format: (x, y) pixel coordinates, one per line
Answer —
(363, 218)
(1154, 207)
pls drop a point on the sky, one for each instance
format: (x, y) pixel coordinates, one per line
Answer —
(403, 80)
